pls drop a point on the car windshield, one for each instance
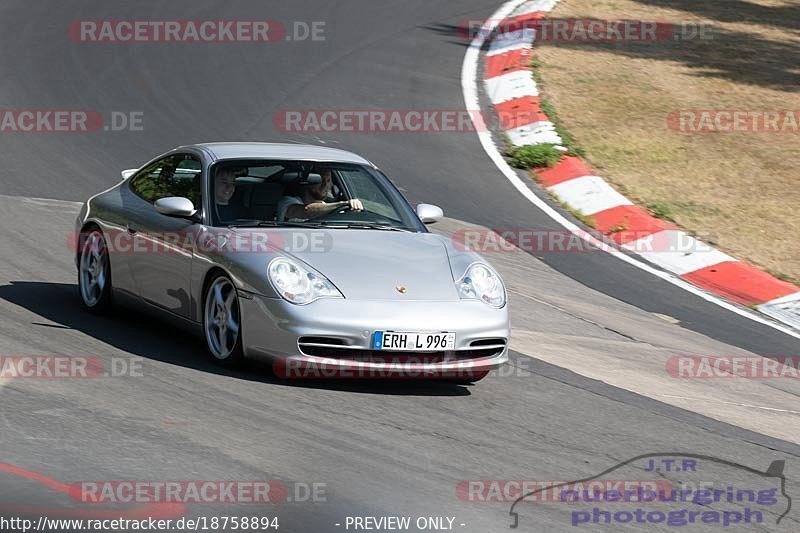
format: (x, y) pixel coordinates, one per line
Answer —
(313, 194)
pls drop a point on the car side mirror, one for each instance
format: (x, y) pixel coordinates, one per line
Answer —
(128, 173)
(175, 206)
(429, 213)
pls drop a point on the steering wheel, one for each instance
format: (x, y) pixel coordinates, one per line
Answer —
(340, 209)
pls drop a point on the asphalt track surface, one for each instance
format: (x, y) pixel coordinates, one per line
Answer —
(380, 449)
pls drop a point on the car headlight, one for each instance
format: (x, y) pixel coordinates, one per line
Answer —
(298, 284)
(482, 283)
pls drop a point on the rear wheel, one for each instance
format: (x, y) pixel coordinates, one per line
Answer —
(94, 273)
(222, 322)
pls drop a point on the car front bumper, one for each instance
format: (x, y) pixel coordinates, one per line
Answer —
(272, 328)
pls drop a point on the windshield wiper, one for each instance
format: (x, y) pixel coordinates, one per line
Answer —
(362, 225)
(321, 224)
(275, 224)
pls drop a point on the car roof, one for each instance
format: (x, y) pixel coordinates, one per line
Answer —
(285, 151)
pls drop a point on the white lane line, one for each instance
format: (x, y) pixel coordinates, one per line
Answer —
(46, 202)
(535, 5)
(469, 87)
(729, 403)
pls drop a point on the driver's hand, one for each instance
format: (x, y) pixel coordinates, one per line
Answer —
(355, 204)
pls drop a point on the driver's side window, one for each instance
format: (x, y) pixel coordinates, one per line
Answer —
(186, 180)
(150, 183)
(175, 175)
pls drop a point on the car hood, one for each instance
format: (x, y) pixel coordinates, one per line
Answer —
(375, 265)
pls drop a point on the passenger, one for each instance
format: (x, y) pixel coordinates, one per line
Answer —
(224, 190)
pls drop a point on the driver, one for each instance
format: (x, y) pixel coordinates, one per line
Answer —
(308, 201)
(224, 189)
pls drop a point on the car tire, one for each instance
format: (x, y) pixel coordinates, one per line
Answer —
(222, 322)
(94, 273)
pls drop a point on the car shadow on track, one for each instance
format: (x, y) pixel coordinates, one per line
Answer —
(153, 339)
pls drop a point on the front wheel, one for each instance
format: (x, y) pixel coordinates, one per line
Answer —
(222, 322)
(94, 273)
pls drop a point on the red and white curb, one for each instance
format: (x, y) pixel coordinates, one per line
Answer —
(513, 92)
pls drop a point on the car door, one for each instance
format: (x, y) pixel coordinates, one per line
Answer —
(161, 263)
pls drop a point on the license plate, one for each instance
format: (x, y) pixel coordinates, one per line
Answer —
(414, 341)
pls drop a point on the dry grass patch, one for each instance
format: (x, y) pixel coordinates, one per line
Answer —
(739, 191)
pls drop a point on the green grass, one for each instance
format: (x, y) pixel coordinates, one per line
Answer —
(534, 156)
(661, 210)
(668, 210)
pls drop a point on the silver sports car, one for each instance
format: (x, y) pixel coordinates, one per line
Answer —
(304, 255)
